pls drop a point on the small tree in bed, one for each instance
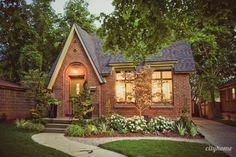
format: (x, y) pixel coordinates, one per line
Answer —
(142, 88)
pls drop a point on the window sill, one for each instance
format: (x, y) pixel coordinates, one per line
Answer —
(162, 105)
(124, 105)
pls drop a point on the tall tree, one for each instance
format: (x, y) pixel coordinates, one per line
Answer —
(15, 33)
(76, 11)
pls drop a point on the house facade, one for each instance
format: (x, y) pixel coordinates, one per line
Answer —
(228, 99)
(82, 61)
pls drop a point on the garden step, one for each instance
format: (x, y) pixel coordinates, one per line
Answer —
(54, 130)
(56, 125)
(57, 120)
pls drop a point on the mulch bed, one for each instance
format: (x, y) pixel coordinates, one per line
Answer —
(143, 134)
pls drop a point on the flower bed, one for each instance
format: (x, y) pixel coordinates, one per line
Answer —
(119, 126)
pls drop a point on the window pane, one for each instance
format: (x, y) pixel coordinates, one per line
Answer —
(233, 93)
(77, 88)
(130, 92)
(120, 76)
(166, 74)
(156, 90)
(156, 75)
(129, 75)
(167, 90)
(120, 91)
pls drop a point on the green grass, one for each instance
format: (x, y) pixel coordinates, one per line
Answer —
(226, 122)
(160, 148)
(15, 143)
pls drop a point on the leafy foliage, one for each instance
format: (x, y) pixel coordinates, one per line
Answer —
(32, 34)
(75, 130)
(76, 11)
(35, 82)
(29, 125)
(82, 104)
(160, 124)
(117, 122)
(136, 124)
(193, 130)
(91, 129)
(181, 129)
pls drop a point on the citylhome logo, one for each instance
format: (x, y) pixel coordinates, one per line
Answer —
(218, 148)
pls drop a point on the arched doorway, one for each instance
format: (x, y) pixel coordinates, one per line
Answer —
(76, 76)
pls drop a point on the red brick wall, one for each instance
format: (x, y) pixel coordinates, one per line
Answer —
(61, 86)
(181, 91)
(15, 103)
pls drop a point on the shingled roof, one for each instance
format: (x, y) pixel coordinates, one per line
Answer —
(179, 51)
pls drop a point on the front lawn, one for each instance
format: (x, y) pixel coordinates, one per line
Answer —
(160, 148)
(226, 122)
(15, 143)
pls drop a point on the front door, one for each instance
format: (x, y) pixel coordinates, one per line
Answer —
(76, 86)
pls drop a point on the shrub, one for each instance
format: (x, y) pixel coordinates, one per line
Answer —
(103, 128)
(117, 122)
(29, 125)
(181, 129)
(193, 130)
(98, 121)
(75, 130)
(82, 122)
(91, 129)
(110, 132)
(160, 124)
(185, 121)
(136, 123)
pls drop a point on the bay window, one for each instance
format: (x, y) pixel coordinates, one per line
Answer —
(161, 86)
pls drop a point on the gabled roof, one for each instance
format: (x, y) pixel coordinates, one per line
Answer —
(180, 52)
(89, 48)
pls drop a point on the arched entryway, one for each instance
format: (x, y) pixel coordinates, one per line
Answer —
(76, 76)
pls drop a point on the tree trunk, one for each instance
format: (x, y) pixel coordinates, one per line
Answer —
(213, 102)
(199, 109)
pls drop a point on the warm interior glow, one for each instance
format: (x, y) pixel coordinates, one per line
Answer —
(120, 91)
(74, 71)
(233, 93)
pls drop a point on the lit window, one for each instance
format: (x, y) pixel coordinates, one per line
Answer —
(233, 94)
(77, 88)
(162, 86)
(124, 87)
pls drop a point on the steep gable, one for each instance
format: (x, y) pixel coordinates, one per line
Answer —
(87, 44)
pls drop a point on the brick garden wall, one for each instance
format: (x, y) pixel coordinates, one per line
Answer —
(14, 103)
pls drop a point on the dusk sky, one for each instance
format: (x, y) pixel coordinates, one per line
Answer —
(95, 7)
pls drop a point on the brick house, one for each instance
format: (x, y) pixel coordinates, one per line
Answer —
(82, 60)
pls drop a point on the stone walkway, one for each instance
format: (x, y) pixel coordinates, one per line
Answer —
(218, 134)
(97, 141)
(73, 148)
